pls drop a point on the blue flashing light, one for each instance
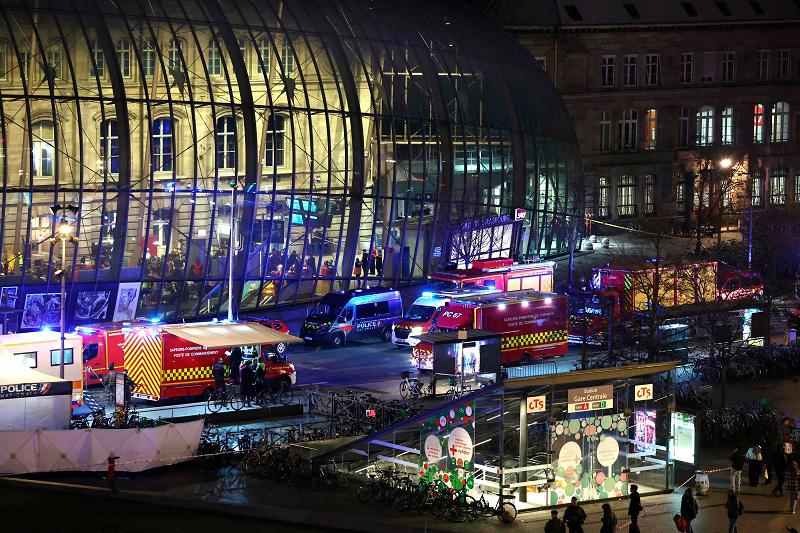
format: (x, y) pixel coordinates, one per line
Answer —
(427, 294)
(46, 328)
(154, 320)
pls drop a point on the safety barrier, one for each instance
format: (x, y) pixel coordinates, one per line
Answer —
(531, 370)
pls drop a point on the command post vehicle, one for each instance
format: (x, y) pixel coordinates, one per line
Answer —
(422, 314)
(501, 274)
(173, 361)
(42, 350)
(347, 315)
(532, 324)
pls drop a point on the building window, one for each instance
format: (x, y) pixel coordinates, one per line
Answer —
(242, 42)
(727, 125)
(757, 188)
(777, 186)
(705, 126)
(607, 74)
(55, 357)
(780, 122)
(687, 67)
(603, 198)
(758, 123)
(174, 56)
(27, 358)
(605, 131)
(96, 65)
(652, 70)
(797, 186)
(649, 195)
(631, 75)
(25, 63)
(763, 65)
(55, 61)
(276, 135)
(626, 196)
(287, 57)
(43, 149)
(3, 61)
(109, 146)
(162, 145)
(628, 130)
(683, 125)
(542, 62)
(784, 64)
(263, 55)
(650, 123)
(709, 67)
(124, 57)
(680, 192)
(214, 59)
(226, 143)
(728, 67)
(148, 52)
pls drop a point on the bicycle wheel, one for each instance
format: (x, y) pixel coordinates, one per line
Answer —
(404, 389)
(366, 492)
(235, 402)
(285, 396)
(507, 512)
(214, 404)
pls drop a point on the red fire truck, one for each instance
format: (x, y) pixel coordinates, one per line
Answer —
(533, 324)
(501, 274)
(171, 361)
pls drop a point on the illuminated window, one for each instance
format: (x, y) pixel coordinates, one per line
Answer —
(683, 128)
(109, 146)
(263, 55)
(628, 130)
(603, 198)
(687, 67)
(784, 64)
(27, 358)
(43, 149)
(96, 62)
(631, 74)
(162, 145)
(607, 73)
(705, 125)
(680, 191)
(780, 122)
(276, 135)
(626, 196)
(55, 357)
(763, 65)
(226, 143)
(757, 188)
(727, 125)
(649, 195)
(650, 129)
(777, 186)
(728, 67)
(605, 131)
(124, 57)
(214, 59)
(287, 57)
(758, 123)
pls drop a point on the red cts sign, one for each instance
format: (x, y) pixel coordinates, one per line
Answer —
(643, 392)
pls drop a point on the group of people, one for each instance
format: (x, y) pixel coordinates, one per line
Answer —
(370, 263)
(297, 267)
(249, 374)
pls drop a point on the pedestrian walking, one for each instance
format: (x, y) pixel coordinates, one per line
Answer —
(793, 485)
(735, 509)
(755, 462)
(574, 516)
(246, 383)
(634, 508)
(780, 464)
(234, 364)
(609, 520)
(554, 525)
(689, 509)
(737, 464)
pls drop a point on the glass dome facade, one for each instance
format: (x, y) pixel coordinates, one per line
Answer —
(313, 132)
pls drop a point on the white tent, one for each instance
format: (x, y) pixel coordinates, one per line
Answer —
(30, 399)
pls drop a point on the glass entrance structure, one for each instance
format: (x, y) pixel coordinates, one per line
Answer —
(299, 136)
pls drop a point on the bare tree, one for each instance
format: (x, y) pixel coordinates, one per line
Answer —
(466, 245)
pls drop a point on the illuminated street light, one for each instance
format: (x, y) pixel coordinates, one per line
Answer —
(726, 163)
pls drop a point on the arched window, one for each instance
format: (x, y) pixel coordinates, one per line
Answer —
(780, 122)
(124, 57)
(276, 134)
(287, 57)
(43, 149)
(214, 59)
(705, 125)
(628, 130)
(226, 143)
(758, 123)
(263, 54)
(109, 146)
(162, 145)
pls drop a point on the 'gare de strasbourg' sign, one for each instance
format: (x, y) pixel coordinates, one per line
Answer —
(590, 398)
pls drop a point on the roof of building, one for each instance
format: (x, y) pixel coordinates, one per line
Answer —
(576, 13)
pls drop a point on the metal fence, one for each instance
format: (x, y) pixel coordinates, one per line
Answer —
(535, 369)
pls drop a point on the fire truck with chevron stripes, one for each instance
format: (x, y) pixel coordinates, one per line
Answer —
(532, 324)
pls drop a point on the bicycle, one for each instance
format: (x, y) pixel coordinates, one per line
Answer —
(413, 386)
(282, 395)
(219, 399)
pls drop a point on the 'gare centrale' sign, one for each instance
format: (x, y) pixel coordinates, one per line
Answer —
(590, 398)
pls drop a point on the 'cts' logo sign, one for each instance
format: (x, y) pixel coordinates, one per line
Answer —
(643, 392)
(537, 404)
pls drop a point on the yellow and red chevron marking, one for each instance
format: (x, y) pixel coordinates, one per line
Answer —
(532, 339)
(143, 361)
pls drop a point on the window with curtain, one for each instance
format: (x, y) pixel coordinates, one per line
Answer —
(628, 130)
(650, 124)
(214, 59)
(263, 54)
(649, 194)
(124, 57)
(162, 143)
(603, 198)
(683, 128)
(705, 126)
(605, 131)
(226, 143)
(758, 123)
(757, 188)
(276, 138)
(149, 58)
(626, 196)
(727, 125)
(287, 57)
(97, 66)
(109, 146)
(780, 122)
(777, 186)
(43, 148)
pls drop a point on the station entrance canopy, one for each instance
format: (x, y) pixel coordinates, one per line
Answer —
(222, 335)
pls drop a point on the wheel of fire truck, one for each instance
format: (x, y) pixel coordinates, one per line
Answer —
(386, 334)
(337, 340)
(280, 347)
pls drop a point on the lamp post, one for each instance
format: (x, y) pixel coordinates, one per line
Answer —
(63, 233)
(231, 247)
(727, 163)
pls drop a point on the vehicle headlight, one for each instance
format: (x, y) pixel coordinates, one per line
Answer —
(416, 330)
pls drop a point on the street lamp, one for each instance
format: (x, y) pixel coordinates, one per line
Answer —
(63, 233)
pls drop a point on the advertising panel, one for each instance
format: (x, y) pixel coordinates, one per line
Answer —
(447, 447)
(42, 309)
(127, 300)
(542, 315)
(92, 305)
(422, 356)
(683, 433)
(644, 431)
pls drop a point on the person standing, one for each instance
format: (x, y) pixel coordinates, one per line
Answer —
(379, 263)
(574, 516)
(218, 371)
(372, 256)
(292, 261)
(234, 364)
(689, 509)
(365, 262)
(635, 507)
(735, 509)
(737, 464)
(793, 485)
(609, 520)
(110, 382)
(554, 525)
(780, 464)
(754, 463)
(246, 385)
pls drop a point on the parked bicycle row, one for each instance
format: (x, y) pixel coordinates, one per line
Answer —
(235, 399)
(733, 422)
(360, 412)
(123, 419)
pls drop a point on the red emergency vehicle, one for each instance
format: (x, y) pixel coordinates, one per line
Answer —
(171, 361)
(501, 274)
(533, 324)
